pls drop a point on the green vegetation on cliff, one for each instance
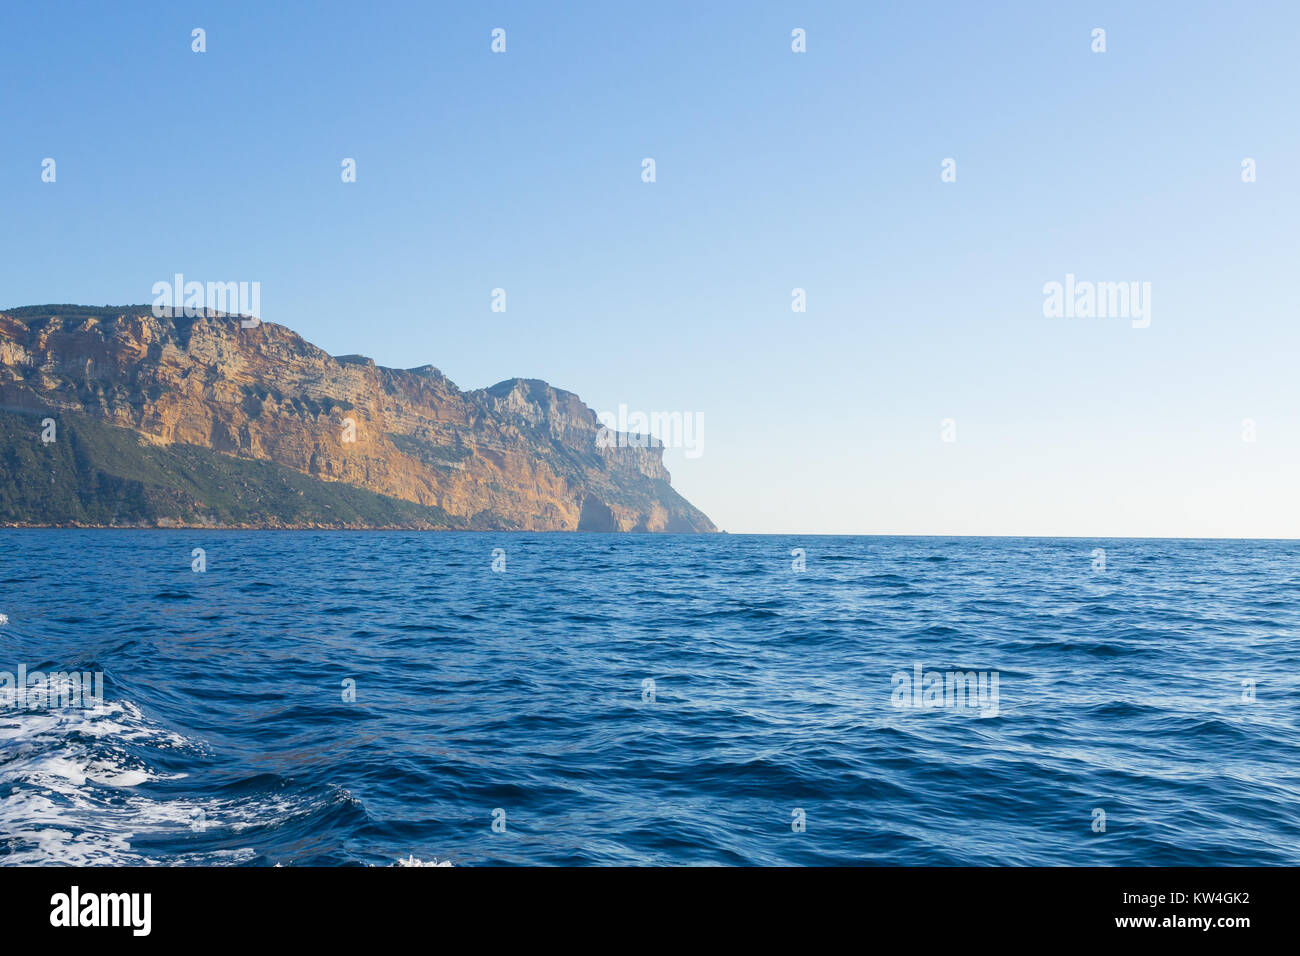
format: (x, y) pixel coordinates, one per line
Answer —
(101, 475)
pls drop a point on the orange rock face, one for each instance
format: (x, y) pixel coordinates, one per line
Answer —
(519, 455)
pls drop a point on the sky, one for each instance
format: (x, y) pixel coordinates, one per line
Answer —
(774, 170)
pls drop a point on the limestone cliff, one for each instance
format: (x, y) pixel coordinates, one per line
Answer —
(519, 455)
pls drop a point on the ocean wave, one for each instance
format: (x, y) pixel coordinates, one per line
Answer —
(649, 700)
(73, 778)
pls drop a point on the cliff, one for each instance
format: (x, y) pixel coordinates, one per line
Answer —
(199, 421)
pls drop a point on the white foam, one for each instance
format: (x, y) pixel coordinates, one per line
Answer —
(412, 861)
(74, 793)
(71, 780)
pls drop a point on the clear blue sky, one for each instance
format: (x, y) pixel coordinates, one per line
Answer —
(775, 170)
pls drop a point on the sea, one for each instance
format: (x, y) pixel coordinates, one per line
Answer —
(498, 699)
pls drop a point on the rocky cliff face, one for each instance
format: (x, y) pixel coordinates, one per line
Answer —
(518, 455)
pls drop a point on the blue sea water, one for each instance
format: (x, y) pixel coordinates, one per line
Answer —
(520, 696)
